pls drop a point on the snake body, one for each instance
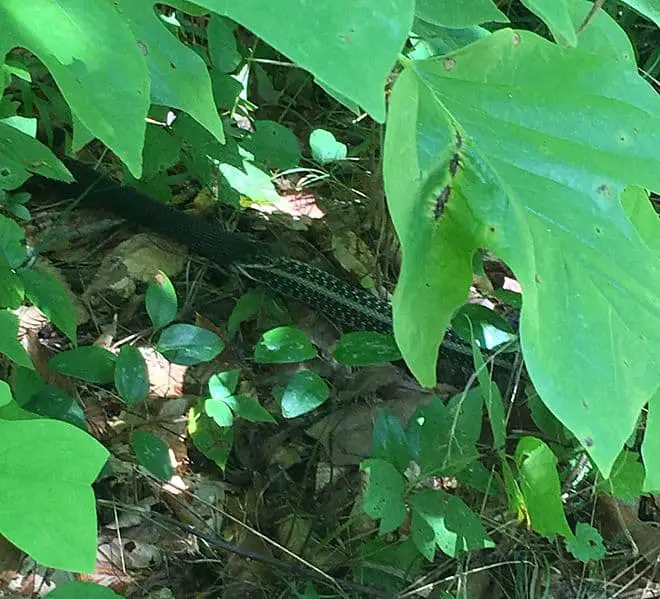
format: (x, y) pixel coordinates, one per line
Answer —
(349, 306)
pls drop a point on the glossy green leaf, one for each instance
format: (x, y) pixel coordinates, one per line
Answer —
(383, 497)
(389, 441)
(223, 384)
(213, 441)
(449, 13)
(331, 40)
(152, 453)
(325, 147)
(131, 375)
(491, 133)
(52, 298)
(9, 345)
(587, 545)
(11, 286)
(187, 344)
(651, 445)
(487, 327)
(540, 487)
(5, 394)
(251, 182)
(47, 468)
(273, 145)
(90, 363)
(366, 347)
(219, 411)
(493, 400)
(555, 14)
(161, 301)
(443, 520)
(304, 392)
(65, 36)
(246, 308)
(284, 345)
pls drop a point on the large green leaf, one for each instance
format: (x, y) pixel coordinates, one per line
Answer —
(348, 46)
(46, 499)
(96, 62)
(179, 77)
(555, 14)
(649, 8)
(456, 15)
(504, 142)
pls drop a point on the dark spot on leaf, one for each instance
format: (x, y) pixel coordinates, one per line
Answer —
(589, 442)
(516, 39)
(130, 546)
(5, 172)
(142, 47)
(491, 228)
(173, 65)
(440, 202)
(599, 231)
(537, 279)
(449, 63)
(603, 190)
(454, 163)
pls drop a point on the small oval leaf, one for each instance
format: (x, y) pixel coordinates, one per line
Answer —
(305, 392)
(283, 345)
(187, 344)
(152, 453)
(131, 375)
(161, 301)
(366, 347)
(90, 363)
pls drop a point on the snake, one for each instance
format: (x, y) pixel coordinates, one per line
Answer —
(351, 307)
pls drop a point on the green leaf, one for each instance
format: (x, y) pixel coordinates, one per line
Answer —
(131, 375)
(247, 406)
(161, 301)
(456, 15)
(251, 182)
(12, 236)
(11, 286)
(51, 402)
(432, 40)
(363, 348)
(83, 590)
(492, 398)
(325, 147)
(187, 344)
(589, 280)
(389, 441)
(539, 483)
(47, 468)
(283, 345)
(90, 363)
(246, 308)
(587, 544)
(304, 392)
(331, 40)
(213, 441)
(466, 410)
(627, 479)
(223, 384)
(219, 411)
(555, 14)
(490, 329)
(52, 298)
(273, 146)
(651, 445)
(5, 394)
(179, 77)
(383, 497)
(441, 519)
(222, 44)
(65, 36)
(9, 345)
(152, 453)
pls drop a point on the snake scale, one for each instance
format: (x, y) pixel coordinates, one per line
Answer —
(347, 305)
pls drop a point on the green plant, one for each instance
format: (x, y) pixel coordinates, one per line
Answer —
(541, 152)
